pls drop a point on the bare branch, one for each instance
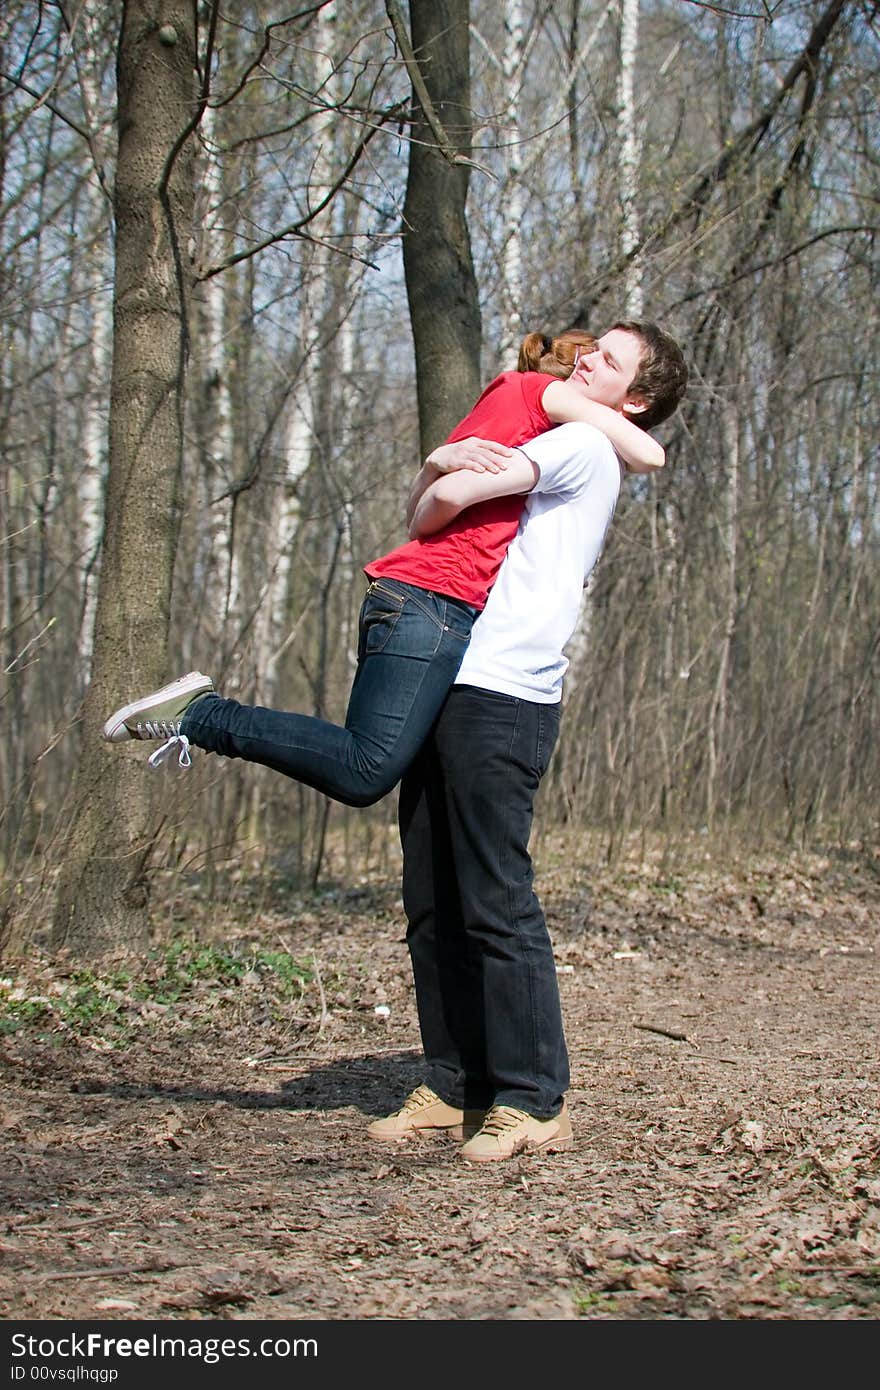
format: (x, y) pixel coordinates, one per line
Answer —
(791, 254)
(42, 99)
(765, 15)
(739, 149)
(411, 63)
(264, 49)
(295, 229)
(16, 660)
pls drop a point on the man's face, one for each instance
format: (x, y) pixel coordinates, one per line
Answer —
(605, 374)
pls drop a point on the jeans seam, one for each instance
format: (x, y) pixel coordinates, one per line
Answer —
(515, 922)
(414, 599)
(391, 620)
(441, 623)
(544, 723)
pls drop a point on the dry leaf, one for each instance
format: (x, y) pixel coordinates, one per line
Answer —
(751, 1135)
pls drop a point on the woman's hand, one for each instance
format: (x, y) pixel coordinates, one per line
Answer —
(472, 455)
(479, 455)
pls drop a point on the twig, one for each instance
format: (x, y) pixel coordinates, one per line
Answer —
(666, 1033)
(411, 63)
(28, 645)
(75, 1225)
(325, 1012)
(767, 15)
(728, 1061)
(319, 983)
(277, 1063)
(107, 1270)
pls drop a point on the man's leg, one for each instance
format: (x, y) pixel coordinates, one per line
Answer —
(446, 971)
(493, 751)
(447, 989)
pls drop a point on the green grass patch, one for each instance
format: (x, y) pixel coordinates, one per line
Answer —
(591, 1302)
(16, 1013)
(111, 1006)
(186, 965)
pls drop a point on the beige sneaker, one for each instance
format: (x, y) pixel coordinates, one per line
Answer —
(506, 1132)
(424, 1110)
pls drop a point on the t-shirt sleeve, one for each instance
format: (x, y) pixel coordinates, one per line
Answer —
(533, 385)
(566, 456)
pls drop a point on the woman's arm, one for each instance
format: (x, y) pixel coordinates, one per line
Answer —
(640, 452)
(426, 475)
(450, 494)
(476, 455)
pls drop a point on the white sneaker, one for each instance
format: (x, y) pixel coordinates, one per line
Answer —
(158, 715)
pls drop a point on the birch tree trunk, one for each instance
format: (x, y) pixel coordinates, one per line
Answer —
(515, 201)
(579, 644)
(311, 360)
(215, 425)
(628, 167)
(94, 459)
(718, 713)
(102, 895)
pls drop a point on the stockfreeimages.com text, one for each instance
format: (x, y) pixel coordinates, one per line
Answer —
(211, 1350)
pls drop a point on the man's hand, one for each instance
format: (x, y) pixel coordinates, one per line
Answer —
(448, 495)
(479, 455)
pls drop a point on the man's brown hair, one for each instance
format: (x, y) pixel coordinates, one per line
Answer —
(662, 375)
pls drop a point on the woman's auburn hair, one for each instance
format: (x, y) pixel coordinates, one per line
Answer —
(553, 356)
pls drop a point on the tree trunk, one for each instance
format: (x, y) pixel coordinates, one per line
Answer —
(102, 897)
(628, 159)
(718, 751)
(440, 282)
(91, 476)
(516, 200)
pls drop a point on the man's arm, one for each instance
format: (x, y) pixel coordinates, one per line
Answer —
(441, 501)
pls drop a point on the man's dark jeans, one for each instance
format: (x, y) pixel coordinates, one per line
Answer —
(411, 644)
(485, 976)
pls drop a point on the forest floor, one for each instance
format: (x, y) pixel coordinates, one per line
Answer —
(183, 1134)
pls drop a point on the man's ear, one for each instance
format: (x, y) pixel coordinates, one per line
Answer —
(636, 405)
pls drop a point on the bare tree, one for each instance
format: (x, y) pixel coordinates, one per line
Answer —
(440, 280)
(102, 894)
(629, 158)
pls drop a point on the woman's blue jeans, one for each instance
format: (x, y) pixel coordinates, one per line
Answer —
(411, 644)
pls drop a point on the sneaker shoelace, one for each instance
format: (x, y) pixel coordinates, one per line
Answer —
(500, 1118)
(175, 742)
(417, 1100)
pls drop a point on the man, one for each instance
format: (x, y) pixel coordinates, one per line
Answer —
(485, 978)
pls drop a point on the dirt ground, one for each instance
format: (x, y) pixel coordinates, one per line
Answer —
(183, 1136)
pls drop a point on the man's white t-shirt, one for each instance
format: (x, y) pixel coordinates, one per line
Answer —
(517, 643)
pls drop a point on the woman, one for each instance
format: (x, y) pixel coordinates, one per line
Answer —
(419, 609)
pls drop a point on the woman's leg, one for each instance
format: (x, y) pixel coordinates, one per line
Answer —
(411, 644)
